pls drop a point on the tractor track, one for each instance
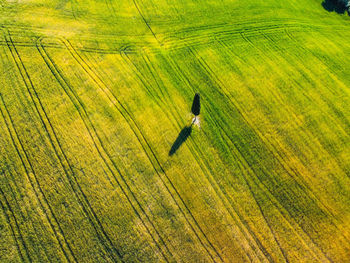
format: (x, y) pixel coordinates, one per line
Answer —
(31, 175)
(300, 183)
(219, 191)
(32, 44)
(23, 216)
(245, 168)
(150, 154)
(104, 155)
(5, 208)
(223, 33)
(60, 154)
(251, 183)
(145, 21)
(223, 199)
(244, 175)
(171, 40)
(17, 206)
(290, 35)
(217, 82)
(28, 166)
(160, 169)
(308, 192)
(157, 167)
(229, 201)
(193, 38)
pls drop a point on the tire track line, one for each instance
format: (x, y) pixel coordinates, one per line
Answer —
(50, 216)
(261, 210)
(23, 217)
(149, 152)
(308, 76)
(138, 137)
(243, 24)
(110, 164)
(29, 44)
(6, 207)
(162, 97)
(342, 118)
(157, 166)
(244, 166)
(218, 83)
(289, 34)
(293, 172)
(112, 252)
(145, 21)
(235, 215)
(17, 205)
(63, 160)
(228, 202)
(32, 178)
(232, 211)
(196, 40)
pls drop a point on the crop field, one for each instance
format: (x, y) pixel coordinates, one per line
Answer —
(99, 161)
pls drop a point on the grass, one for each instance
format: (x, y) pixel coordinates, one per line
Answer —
(95, 99)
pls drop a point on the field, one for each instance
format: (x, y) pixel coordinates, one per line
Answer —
(99, 161)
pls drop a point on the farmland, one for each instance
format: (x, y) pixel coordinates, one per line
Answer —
(99, 161)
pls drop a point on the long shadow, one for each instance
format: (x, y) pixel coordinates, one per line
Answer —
(334, 5)
(181, 138)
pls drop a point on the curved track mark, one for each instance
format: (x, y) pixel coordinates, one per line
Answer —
(110, 164)
(149, 152)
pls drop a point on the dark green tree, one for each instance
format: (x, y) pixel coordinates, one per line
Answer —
(196, 106)
(339, 6)
(345, 4)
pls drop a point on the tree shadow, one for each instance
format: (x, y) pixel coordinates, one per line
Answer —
(181, 138)
(333, 5)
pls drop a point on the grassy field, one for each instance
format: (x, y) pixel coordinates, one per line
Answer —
(98, 158)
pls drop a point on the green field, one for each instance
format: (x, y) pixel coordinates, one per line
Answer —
(98, 158)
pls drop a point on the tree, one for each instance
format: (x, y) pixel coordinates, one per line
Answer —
(345, 3)
(339, 6)
(196, 106)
